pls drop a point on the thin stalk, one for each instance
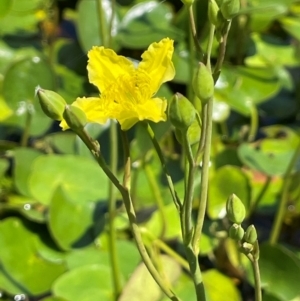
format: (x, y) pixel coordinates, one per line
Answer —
(256, 274)
(111, 21)
(26, 131)
(165, 248)
(133, 223)
(189, 190)
(221, 54)
(275, 232)
(157, 196)
(253, 122)
(194, 32)
(260, 195)
(103, 34)
(112, 235)
(174, 195)
(204, 179)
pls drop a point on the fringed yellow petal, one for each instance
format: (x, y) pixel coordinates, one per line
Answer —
(152, 109)
(157, 62)
(105, 67)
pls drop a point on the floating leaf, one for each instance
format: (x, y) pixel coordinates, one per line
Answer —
(32, 274)
(79, 177)
(227, 180)
(89, 282)
(279, 277)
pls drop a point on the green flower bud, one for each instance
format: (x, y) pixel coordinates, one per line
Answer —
(193, 133)
(255, 251)
(213, 10)
(74, 117)
(235, 209)
(230, 8)
(181, 112)
(250, 235)
(52, 104)
(203, 84)
(236, 232)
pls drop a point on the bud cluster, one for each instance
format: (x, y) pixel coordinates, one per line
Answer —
(236, 214)
(55, 107)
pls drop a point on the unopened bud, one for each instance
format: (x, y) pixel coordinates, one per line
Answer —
(52, 104)
(230, 8)
(74, 117)
(193, 133)
(250, 235)
(203, 83)
(213, 10)
(181, 112)
(235, 209)
(236, 232)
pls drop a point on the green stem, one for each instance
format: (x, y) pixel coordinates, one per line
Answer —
(194, 33)
(157, 196)
(174, 195)
(221, 54)
(204, 178)
(102, 24)
(112, 235)
(189, 191)
(111, 21)
(287, 179)
(256, 274)
(260, 196)
(134, 226)
(26, 131)
(253, 122)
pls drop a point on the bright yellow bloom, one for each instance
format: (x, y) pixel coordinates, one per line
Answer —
(127, 91)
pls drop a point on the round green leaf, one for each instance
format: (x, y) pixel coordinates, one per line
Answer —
(19, 85)
(172, 227)
(79, 177)
(227, 180)
(85, 283)
(145, 23)
(31, 273)
(235, 87)
(24, 158)
(271, 155)
(64, 215)
(218, 285)
(141, 285)
(280, 271)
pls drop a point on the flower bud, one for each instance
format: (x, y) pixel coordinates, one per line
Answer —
(250, 235)
(193, 133)
(181, 112)
(74, 117)
(203, 84)
(235, 209)
(213, 10)
(52, 104)
(236, 232)
(230, 8)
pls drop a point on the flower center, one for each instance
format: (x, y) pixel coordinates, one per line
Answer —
(130, 89)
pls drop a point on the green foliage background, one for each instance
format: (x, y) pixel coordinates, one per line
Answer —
(53, 196)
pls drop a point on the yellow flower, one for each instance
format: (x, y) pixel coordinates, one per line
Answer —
(127, 92)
